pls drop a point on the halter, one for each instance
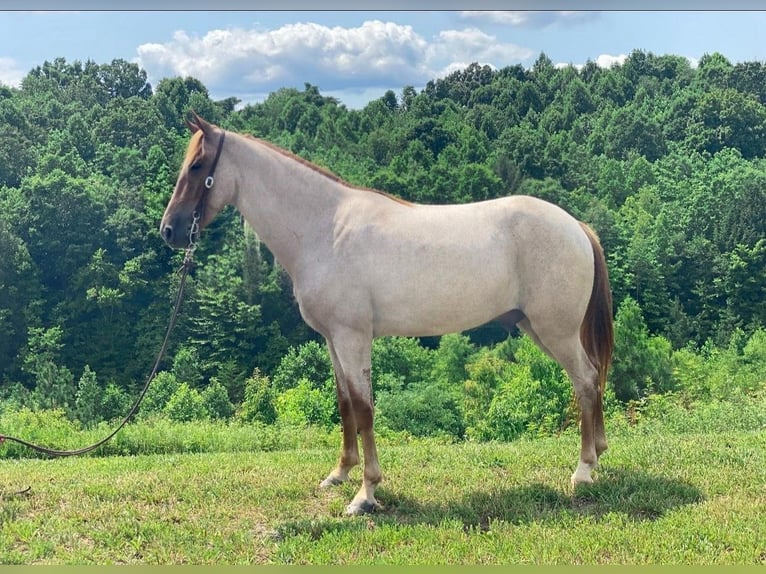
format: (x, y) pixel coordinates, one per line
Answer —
(199, 211)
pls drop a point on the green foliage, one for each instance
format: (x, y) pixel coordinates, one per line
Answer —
(88, 398)
(162, 387)
(259, 400)
(641, 363)
(186, 367)
(215, 400)
(486, 374)
(52, 428)
(114, 403)
(54, 384)
(531, 396)
(185, 404)
(304, 405)
(399, 362)
(716, 374)
(664, 160)
(451, 357)
(423, 409)
(309, 362)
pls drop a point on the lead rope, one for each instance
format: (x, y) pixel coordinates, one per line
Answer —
(184, 272)
(194, 232)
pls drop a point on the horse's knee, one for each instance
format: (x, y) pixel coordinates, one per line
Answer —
(364, 414)
(587, 397)
(361, 403)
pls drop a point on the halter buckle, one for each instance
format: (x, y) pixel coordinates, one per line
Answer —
(209, 182)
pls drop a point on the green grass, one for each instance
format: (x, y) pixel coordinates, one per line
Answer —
(670, 499)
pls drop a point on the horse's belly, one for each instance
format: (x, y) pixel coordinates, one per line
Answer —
(435, 305)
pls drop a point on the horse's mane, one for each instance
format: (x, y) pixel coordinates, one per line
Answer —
(325, 172)
(193, 149)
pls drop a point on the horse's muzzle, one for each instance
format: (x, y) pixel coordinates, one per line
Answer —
(172, 237)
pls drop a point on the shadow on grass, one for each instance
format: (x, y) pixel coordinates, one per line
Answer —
(636, 494)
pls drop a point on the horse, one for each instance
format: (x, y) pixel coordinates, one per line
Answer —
(367, 264)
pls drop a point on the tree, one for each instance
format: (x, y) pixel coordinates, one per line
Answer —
(215, 399)
(423, 409)
(258, 403)
(641, 362)
(309, 362)
(54, 384)
(123, 79)
(20, 290)
(185, 405)
(88, 398)
(725, 118)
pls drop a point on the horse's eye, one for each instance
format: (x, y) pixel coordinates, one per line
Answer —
(196, 165)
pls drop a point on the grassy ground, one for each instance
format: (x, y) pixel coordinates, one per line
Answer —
(671, 499)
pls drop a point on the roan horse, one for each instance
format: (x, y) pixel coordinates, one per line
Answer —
(365, 264)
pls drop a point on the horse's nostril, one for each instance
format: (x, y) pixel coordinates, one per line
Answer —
(167, 233)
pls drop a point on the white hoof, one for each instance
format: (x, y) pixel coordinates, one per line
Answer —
(582, 475)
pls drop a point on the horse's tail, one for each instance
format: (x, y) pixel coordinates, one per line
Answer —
(596, 330)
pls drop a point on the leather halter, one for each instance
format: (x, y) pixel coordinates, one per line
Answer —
(199, 211)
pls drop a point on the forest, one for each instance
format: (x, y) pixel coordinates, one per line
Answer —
(667, 162)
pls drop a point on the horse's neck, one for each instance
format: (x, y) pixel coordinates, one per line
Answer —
(289, 205)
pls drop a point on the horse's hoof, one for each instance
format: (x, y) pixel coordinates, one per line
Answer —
(581, 478)
(364, 507)
(331, 481)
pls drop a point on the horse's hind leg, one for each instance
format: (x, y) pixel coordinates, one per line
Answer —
(570, 354)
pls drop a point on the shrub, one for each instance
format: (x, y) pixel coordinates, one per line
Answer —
(88, 398)
(215, 399)
(114, 402)
(486, 375)
(450, 358)
(423, 409)
(49, 428)
(641, 364)
(160, 390)
(186, 367)
(305, 405)
(185, 405)
(527, 394)
(15, 396)
(715, 373)
(310, 362)
(672, 413)
(258, 404)
(401, 357)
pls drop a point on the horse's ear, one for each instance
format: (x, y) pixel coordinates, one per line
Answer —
(193, 128)
(197, 123)
(193, 123)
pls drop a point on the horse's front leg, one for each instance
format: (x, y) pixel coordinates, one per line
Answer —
(351, 351)
(349, 456)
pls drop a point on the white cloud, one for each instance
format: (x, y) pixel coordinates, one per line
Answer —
(10, 73)
(530, 18)
(602, 61)
(385, 54)
(607, 60)
(473, 45)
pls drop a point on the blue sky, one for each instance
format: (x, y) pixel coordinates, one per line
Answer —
(357, 56)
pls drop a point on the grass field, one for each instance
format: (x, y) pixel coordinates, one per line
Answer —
(670, 499)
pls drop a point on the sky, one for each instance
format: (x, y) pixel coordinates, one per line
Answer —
(356, 56)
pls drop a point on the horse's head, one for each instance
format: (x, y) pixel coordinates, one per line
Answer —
(194, 197)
